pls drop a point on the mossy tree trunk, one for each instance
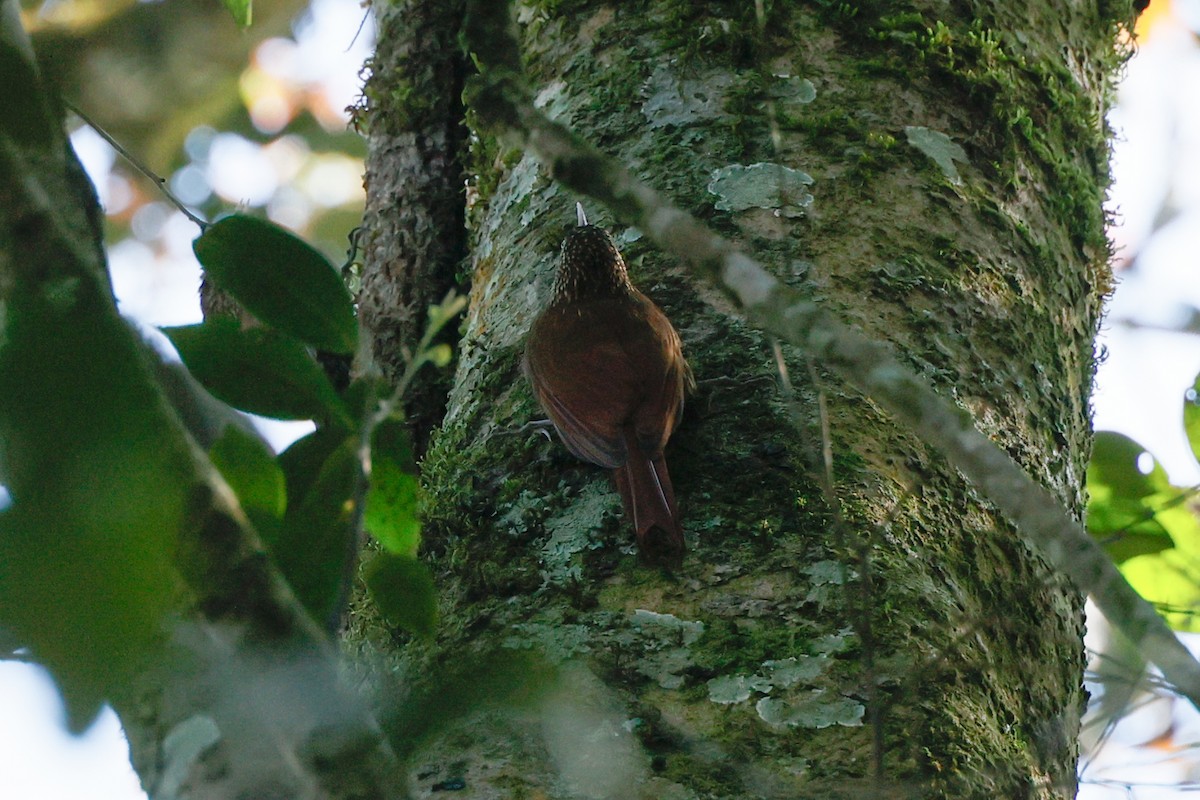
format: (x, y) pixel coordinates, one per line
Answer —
(412, 249)
(934, 176)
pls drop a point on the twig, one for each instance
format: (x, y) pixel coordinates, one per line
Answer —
(158, 180)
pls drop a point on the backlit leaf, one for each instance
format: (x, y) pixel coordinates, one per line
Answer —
(391, 512)
(241, 11)
(1191, 416)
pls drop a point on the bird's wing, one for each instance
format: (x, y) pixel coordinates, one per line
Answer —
(659, 357)
(580, 391)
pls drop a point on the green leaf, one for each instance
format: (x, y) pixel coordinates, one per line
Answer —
(1171, 581)
(1146, 524)
(100, 478)
(1116, 464)
(403, 589)
(249, 467)
(241, 11)
(391, 511)
(302, 461)
(281, 280)
(1123, 500)
(258, 370)
(317, 535)
(1124, 531)
(1191, 416)
(363, 395)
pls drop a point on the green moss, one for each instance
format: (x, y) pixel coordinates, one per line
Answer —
(1008, 87)
(726, 647)
(726, 32)
(1037, 99)
(480, 162)
(838, 13)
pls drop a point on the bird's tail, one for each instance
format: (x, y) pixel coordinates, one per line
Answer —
(649, 501)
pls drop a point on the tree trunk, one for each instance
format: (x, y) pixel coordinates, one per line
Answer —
(889, 636)
(414, 237)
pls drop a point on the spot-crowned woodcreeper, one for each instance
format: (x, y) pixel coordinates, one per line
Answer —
(608, 369)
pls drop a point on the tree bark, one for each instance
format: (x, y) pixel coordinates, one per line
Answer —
(415, 238)
(889, 636)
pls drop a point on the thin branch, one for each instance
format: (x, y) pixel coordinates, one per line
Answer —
(158, 180)
(502, 100)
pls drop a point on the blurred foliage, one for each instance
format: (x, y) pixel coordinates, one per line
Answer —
(249, 467)
(101, 481)
(357, 472)
(1150, 527)
(241, 10)
(150, 72)
(164, 79)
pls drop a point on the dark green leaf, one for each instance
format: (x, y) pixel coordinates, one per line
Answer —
(241, 11)
(391, 512)
(302, 461)
(35, 127)
(100, 479)
(258, 370)
(403, 589)
(249, 468)
(317, 535)
(281, 280)
(363, 394)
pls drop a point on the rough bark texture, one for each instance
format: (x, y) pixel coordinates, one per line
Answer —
(790, 645)
(415, 238)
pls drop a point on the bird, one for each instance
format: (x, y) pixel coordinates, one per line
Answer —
(607, 367)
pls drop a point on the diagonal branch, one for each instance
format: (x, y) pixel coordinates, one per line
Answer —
(502, 100)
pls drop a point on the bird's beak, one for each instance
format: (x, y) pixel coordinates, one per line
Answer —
(579, 213)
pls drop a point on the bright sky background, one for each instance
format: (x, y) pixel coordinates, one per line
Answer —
(1139, 387)
(1156, 197)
